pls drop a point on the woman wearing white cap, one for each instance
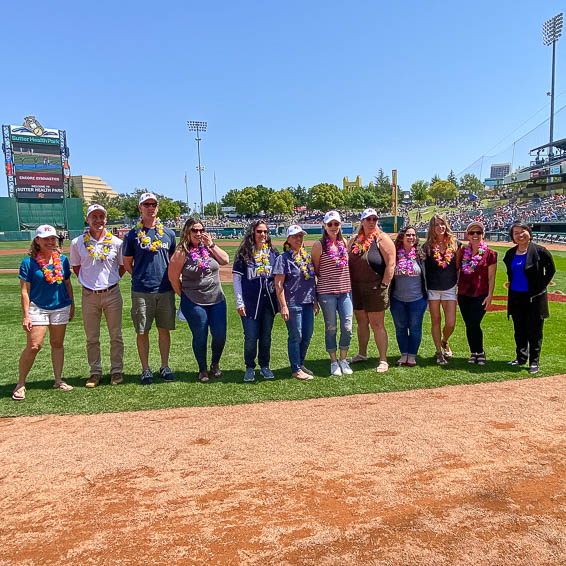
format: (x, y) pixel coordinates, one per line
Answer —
(330, 259)
(47, 302)
(476, 281)
(296, 292)
(372, 263)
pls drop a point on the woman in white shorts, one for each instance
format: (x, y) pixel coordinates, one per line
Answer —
(441, 279)
(47, 302)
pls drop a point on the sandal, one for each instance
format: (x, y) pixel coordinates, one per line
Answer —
(215, 370)
(357, 358)
(473, 359)
(440, 359)
(382, 367)
(447, 351)
(203, 376)
(19, 393)
(62, 386)
(411, 362)
(302, 376)
(402, 361)
(481, 359)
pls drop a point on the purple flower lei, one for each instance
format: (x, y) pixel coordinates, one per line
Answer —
(469, 262)
(201, 256)
(405, 265)
(337, 252)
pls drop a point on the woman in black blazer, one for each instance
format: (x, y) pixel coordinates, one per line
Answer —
(530, 268)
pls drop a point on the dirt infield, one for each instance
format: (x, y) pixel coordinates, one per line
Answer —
(456, 475)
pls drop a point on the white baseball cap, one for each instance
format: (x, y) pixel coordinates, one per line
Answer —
(94, 207)
(368, 212)
(475, 223)
(295, 229)
(332, 215)
(45, 231)
(147, 196)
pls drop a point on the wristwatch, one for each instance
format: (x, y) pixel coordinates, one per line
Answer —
(384, 285)
(212, 246)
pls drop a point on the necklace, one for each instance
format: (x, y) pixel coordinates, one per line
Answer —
(361, 243)
(442, 260)
(55, 275)
(337, 252)
(145, 241)
(405, 262)
(261, 260)
(201, 256)
(469, 262)
(304, 261)
(106, 243)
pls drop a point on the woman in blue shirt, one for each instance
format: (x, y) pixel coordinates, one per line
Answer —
(47, 302)
(255, 297)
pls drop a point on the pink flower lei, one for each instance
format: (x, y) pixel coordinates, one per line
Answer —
(405, 262)
(337, 252)
(201, 256)
(55, 276)
(469, 262)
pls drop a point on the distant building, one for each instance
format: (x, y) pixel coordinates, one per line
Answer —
(499, 170)
(348, 185)
(87, 186)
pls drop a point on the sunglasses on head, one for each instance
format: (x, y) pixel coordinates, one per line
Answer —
(148, 204)
(475, 232)
(197, 230)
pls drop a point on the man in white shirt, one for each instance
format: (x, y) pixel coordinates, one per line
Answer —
(96, 258)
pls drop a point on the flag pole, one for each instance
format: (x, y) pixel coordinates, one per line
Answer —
(187, 191)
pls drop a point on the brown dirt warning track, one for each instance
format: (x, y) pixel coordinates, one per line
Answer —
(456, 475)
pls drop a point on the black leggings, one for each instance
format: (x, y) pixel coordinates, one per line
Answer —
(473, 312)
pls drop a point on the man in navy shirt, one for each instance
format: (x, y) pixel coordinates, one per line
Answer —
(147, 250)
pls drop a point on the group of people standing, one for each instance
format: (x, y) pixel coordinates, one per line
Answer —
(362, 277)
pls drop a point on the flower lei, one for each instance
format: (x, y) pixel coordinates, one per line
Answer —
(442, 260)
(106, 243)
(405, 265)
(361, 243)
(55, 276)
(337, 252)
(145, 241)
(201, 256)
(469, 262)
(261, 260)
(304, 261)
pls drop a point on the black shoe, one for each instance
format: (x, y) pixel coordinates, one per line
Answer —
(167, 374)
(146, 377)
(533, 368)
(516, 362)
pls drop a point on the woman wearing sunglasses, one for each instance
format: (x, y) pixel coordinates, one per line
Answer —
(194, 276)
(330, 259)
(476, 282)
(371, 260)
(256, 302)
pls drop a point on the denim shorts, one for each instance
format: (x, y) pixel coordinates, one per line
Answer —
(44, 317)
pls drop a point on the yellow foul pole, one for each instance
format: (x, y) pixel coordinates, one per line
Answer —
(394, 198)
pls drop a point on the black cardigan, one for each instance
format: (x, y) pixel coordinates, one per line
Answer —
(539, 270)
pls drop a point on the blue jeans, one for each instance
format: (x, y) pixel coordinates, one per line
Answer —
(408, 319)
(257, 337)
(200, 319)
(330, 305)
(299, 327)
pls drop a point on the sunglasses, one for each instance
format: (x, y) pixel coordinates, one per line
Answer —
(198, 230)
(475, 233)
(149, 204)
(261, 231)
(410, 235)
(333, 224)
(371, 219)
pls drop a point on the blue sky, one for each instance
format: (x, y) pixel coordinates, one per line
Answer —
(293, 92)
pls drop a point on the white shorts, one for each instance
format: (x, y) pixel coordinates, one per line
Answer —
(446, 295)
(44, 317)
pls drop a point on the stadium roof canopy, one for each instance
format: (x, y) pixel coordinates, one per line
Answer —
(558, 144)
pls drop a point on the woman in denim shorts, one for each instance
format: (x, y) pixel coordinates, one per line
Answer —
(47, 302)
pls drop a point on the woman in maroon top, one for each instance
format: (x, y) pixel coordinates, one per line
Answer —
(478, 265)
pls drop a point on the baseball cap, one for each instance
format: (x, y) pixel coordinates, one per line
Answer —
(147, 196)
(295, 229)
(94, 207)
(475, 223)
(368, 212)
(44, 231)
(332, 215)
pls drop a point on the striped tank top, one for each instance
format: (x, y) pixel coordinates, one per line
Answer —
(332, 280)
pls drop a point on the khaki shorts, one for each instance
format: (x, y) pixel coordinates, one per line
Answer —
(147, 307)
(44, 317)
(370, 298)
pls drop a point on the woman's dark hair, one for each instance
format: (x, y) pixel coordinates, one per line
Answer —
(185, 238)
(246, 249)
(339, 238)
(401, 236)
(521, 225)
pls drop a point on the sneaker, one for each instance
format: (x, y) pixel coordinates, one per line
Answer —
(146, 377)
(266, 373)
(481, 359)
(249, 375)
(516, 362)
(335, 369)
(93, 381)
(345, 367)
(533, 368)
(116, 379)
(473, 359)
(167, 374)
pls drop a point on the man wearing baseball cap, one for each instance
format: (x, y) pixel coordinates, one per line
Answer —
(96, 258)
(147, 250)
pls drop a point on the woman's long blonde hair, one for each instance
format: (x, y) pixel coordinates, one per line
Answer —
(450, 239)
(33, 249)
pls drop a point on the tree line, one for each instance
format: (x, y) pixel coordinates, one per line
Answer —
(448, 189)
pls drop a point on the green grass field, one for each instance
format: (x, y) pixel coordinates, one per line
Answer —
(186, 391)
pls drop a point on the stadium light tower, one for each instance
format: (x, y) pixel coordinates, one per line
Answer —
(195, 126)
(551, 31)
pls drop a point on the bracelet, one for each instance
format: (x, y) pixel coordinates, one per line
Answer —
(384, 285)
(212, 246)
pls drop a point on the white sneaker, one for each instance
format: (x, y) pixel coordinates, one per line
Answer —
(345, 367)
(335, 369)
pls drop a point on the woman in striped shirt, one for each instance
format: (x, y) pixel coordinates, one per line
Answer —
(330, 259)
